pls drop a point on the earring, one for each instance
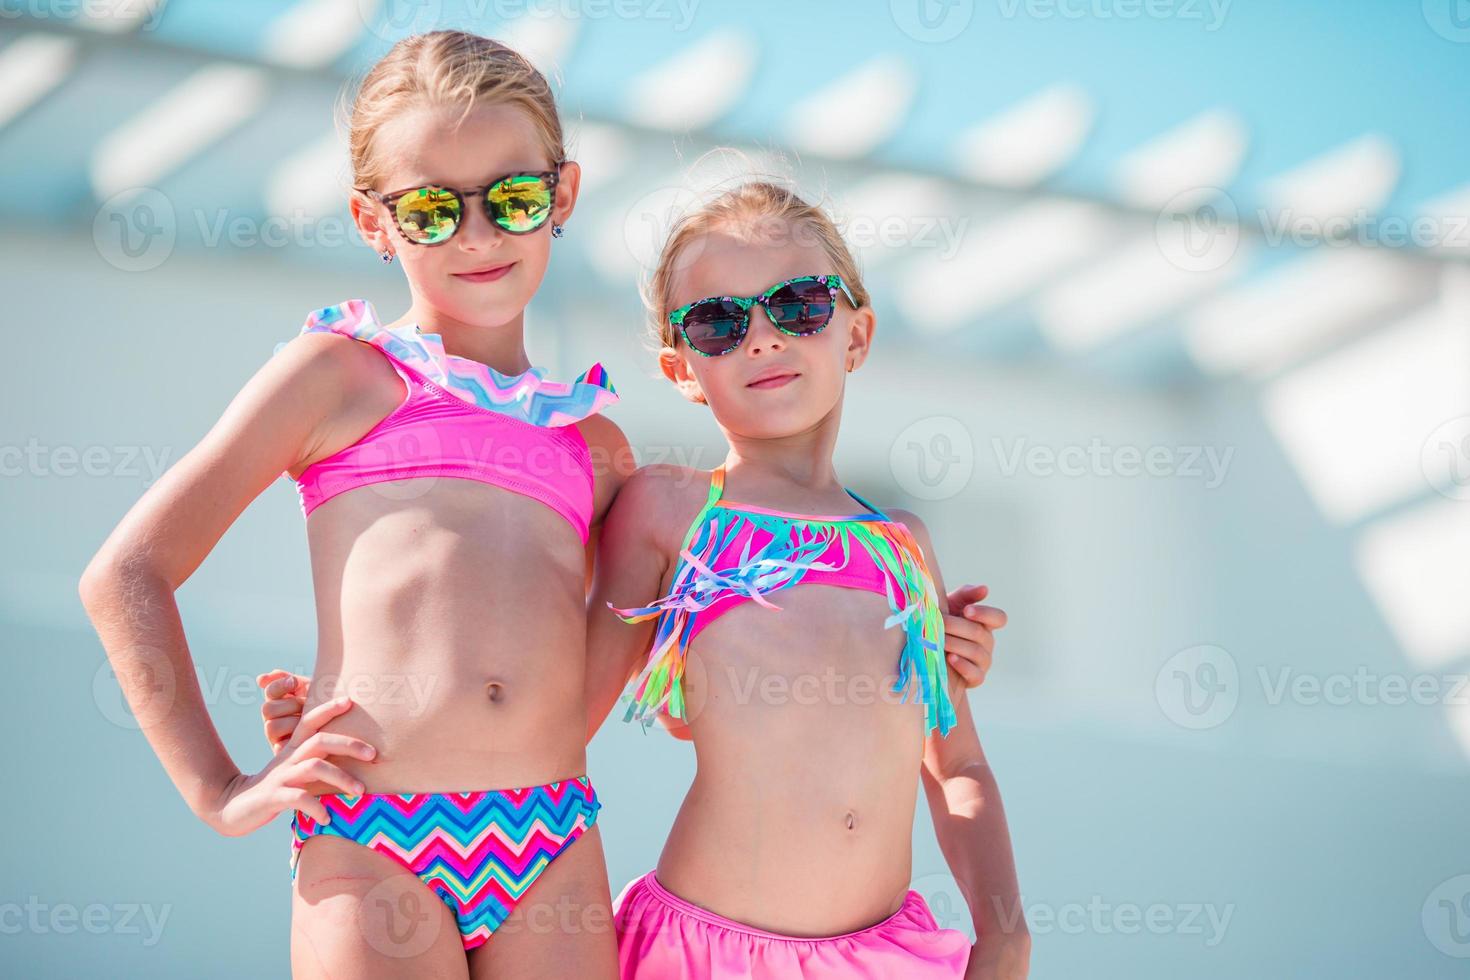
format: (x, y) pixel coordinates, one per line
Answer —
(387, 257)
(557, 230)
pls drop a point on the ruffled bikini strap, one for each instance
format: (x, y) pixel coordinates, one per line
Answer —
(529, 396)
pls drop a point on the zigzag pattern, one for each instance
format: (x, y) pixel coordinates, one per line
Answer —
(478, 851)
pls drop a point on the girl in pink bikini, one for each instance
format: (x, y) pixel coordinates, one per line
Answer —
(450, 491)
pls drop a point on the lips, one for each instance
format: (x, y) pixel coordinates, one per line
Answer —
(775, 378)
(488, 273)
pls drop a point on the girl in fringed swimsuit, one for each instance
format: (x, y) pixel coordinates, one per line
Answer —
(815, 713)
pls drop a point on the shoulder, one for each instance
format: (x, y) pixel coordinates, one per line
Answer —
(342, 386)
(919, 530)
(909, 520)
(667, 486)
(333, 361)
(611, 458)
(604, 435)
(663, 499)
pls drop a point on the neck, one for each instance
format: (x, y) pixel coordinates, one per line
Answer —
(501, 346)
(802, 459)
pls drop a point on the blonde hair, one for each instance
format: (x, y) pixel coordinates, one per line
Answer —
(446, 68)
(755, 211)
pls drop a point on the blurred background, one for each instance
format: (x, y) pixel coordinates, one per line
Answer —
(1173, 301)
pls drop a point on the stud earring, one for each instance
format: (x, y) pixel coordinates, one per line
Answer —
(557, 230)
(386, 256)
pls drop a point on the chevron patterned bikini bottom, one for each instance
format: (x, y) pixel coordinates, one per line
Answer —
(478, 851)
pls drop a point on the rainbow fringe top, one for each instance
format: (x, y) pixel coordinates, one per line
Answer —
(735, 552)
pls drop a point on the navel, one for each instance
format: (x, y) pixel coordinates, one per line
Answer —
(495, 691)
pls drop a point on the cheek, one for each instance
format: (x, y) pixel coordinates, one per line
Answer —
(533, 252)
(708, 374)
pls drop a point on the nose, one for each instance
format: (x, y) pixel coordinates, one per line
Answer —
(477, 231)
(762, 333)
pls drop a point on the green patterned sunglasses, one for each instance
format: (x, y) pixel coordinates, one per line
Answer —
(800, 307)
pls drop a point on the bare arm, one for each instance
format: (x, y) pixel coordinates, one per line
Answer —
(970, 822)
(612, 464)
(281, 418)
(630, 567)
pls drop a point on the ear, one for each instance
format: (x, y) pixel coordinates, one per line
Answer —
(676, 369)
(367, 216)
(567, 189)
(860, 331)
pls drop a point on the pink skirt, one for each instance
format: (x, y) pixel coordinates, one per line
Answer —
(663, 937)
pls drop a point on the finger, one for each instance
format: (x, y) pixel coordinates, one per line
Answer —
(278, 685)
(323, 744)
(977, 654)
(313, 720)
(991, 616)
(968, 593)
(280, 708)
(964, 629)
(281, 681)
(278, 731)
(971, 674)
(263, 679)
(322, 771)
(286, 686)
(312, 806)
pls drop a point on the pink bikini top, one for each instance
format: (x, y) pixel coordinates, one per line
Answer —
(464, 420)
(736, 553)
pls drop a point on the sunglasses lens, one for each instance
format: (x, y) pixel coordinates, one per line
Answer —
(520, 204)
(428, 215)
(801, 307)
(714, 326)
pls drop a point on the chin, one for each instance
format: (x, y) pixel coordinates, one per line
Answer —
(489, 304)
(778, 424)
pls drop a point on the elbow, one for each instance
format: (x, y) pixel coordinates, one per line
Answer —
(107, 576)
(98, 580)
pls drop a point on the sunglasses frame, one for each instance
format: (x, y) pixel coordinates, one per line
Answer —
(833, 283)
(390, 200)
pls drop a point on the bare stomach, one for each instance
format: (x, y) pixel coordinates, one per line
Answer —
(800, 817)
(455, 622)
(465, 718)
